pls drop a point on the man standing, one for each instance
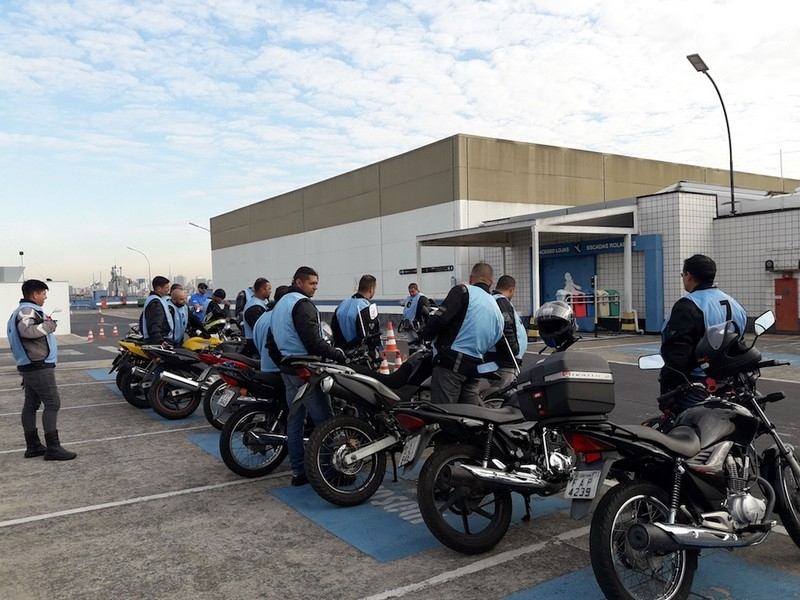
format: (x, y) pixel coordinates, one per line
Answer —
(704, 306)
(416, 308)
(155, 321)
(180, 317)
(463, 329)
(197, 301)
(31, 335)
(253, 309)
(356, 318)
(509, 351)
(295, 330)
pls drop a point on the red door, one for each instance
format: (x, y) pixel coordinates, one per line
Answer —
(786, 303)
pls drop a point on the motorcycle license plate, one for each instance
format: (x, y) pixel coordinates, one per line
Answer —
(225, 397)
(409, 450)
(582, 485)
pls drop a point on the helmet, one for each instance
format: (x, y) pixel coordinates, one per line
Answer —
(555, 322)
(213, 325)
(722, 353)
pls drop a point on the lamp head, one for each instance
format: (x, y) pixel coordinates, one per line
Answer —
(698, 63)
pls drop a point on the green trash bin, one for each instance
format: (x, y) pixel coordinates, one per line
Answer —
(613, 303)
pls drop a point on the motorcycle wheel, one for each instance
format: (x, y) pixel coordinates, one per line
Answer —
(242, 451)
(787, 489)
(215, 414)
(131, 387)
(120, 373)
(627, 574)
(466, 521)
(171, 402)
(340, 484)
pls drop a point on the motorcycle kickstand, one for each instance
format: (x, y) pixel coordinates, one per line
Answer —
(394, 466)
(527, 498)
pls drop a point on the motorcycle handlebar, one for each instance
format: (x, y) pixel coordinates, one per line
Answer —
(679, 390)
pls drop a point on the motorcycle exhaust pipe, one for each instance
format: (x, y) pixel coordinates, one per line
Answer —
(663, 537)
(494, 479)
(181, 382)
(138, 371)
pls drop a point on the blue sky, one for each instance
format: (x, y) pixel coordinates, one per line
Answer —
(121, 122)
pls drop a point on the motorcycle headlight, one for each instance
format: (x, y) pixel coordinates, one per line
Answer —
(326, 384)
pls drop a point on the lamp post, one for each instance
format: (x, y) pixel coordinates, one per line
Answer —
(701, 67)
(149, 277)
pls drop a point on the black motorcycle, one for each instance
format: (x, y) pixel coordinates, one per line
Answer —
(712, 481)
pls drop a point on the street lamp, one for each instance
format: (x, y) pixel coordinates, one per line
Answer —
(149, 277)
(199, 226)
(701, 67)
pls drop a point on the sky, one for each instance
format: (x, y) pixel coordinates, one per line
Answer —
(122, 122)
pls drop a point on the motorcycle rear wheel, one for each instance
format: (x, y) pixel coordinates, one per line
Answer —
(242, 451)
(173, 402)
(787, 489)
(340, 484)
(131, 387)
(469, 523)
(215, 414)
(627, 574)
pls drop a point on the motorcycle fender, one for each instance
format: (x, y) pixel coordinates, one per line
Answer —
(119, 361)
(425, 441)
(580, 508)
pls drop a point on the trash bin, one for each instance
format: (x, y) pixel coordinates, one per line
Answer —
(613, 303)
(603, 309)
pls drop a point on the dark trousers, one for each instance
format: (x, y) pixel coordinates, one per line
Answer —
(40, 388)
(448, 387)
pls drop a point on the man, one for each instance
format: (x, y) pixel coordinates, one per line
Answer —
(180, 317)
(355, 320)
(253, 309)
(416, 308)
(295, 330)
(703, 307)
(242, 298)
(466, 325)
(155, 321)
(217, 308)
(261, 329)
(509, 351)
(31, 335)
(198, 301)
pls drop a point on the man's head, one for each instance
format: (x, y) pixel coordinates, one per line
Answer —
(306, 280)
(35, 291)
(218, 295)
(281, 291)
(262, 288)
(413, 289)
(202, 288)
(366, 286)
(698, 270)
(161, 285)
(506, 285)
(175, 286)
(482, 273)
(178, 296)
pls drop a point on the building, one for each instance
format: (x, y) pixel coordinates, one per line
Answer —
(535, 212)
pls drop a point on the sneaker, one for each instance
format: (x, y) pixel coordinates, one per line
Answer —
(298, 480)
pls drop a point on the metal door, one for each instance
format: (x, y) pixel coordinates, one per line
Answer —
(786, 304)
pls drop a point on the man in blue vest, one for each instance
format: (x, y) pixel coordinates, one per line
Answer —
(154, 321)
(510, 350)
(296, 330)
(704, 306)
(463, 329)
(197, 301)
(253, 309)
(416, 308)
(180, 317)
(31, 334)
(355, 320)
(261, 330)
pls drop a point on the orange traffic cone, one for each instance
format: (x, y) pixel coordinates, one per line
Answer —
(102, 334)
(398, 362)
(391, 343)
(384, 368)
(115, 331)
(90, 337)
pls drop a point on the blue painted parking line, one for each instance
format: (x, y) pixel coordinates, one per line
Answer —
(101, 374)
(207, 441)
(193, 418)
(114, 389)
(720, 576)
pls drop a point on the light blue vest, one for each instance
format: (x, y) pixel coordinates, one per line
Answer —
(17, 349)
(148, 300)
(253, 301)
(482, 327)
(260, 330)
(522, 333)
(283, 330)
(347, 314)
(410, 308)
(180, 319)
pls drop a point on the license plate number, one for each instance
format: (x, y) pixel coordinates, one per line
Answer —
(409, 450)
(225, 397)
(582, 485)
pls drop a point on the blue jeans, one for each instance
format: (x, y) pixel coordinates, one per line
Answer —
(316, 404)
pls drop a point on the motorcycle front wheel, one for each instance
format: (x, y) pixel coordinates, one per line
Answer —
(331, 478)
(243, 444)
(173, 402)
(466, 520)
(131, 387)
(627, 574)
(787, 489)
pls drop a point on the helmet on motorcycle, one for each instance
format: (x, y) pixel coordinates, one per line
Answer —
(213, 325)
(555, 322)
(722, 353)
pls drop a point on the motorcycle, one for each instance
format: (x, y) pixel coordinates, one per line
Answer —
(130, 356)
(345, 458)
(711, 481)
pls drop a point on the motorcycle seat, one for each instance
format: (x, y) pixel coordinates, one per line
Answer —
(268, 378)
(251, 362)
(506, 414)
(682, 440)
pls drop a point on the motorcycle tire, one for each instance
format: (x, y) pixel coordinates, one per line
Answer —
(627, 574)
(242, 451)
(215, 414)
(340, 484)
(120, 374)
(467, 523)
(171, 402)
(787, 491)
(131, 387)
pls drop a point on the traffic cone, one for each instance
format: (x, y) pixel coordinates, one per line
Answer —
(90, 337)
(391, 343)
(115, 331)
(102, 334)
(398, 362)
(384, 368)
(102, 319)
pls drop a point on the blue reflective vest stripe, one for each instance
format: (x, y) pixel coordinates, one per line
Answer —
(15, 341)
(148, 300)
(410, 308)
(283, 330)
(260, 330)
(253, 301)
(482, 327)
(347, 314)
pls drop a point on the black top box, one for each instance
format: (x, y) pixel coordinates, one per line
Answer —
(566, 384)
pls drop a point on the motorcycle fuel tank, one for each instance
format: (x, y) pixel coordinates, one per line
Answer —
(717, 420)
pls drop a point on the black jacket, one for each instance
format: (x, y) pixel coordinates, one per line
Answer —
(155, 316)
(684, 330)
(501, 355)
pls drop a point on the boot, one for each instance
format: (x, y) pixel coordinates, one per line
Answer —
(54, 450)
(35, 446)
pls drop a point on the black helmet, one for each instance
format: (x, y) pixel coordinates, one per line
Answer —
(555, 322)
(722, 353)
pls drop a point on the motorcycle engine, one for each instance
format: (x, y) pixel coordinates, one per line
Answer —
(746, 509)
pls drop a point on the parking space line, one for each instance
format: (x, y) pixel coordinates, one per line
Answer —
(477, 566)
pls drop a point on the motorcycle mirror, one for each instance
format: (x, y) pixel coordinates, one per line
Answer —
(651, 361)
(327, 332)
(763, 322)
(489, 367)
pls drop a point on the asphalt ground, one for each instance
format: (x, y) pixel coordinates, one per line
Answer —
(148, 510)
